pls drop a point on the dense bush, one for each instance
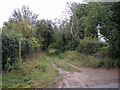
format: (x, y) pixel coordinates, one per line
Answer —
(44, 33)
(27, 48)
(9, 50)
(114, 51)
(72, 44)
(59, 42)
(104, 51)
(61, 55)
(90, 46)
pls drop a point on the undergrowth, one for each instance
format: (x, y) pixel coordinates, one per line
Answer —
(35, 72)
(83, 60)
(0, 80)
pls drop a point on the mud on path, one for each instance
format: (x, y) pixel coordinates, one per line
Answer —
(88, 77)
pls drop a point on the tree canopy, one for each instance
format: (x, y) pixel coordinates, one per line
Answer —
(24, 14)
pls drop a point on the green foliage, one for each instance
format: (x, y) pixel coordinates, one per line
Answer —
(104, 51)
(72, 44)
(9, 50)
(54, 51)
(0, 80)
(83, 60)
(58, 51)
(114, 51)
(34, 42)
(61, 63)
(61, 55)
(79, 13)
(23, 26)
(92, 14)
(26, 48)
(8, 65)
(36, 72)
(24, 14)
(61, 40)
(88, 46)
(104, 14)
(21, 29)
(44, 34)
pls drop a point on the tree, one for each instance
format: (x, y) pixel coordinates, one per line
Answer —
(77, 26)
(17, 28)
(87, 17)
(107, 16)
(44, 33)
(24, 14)
(113, 33)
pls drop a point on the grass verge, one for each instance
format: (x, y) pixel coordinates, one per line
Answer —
(60, 63)
(83, 60)
(35, 72)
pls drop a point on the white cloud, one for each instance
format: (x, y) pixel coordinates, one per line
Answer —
(47, 9)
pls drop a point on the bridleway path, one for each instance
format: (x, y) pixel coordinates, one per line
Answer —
(88, 77)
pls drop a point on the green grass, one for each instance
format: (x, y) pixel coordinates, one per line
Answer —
(60, 63)
(0, 80)
(36, 72)
(83, 60)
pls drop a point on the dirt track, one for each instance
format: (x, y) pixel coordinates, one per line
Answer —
(88, 77)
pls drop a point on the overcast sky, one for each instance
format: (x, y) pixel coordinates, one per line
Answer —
(47, 9)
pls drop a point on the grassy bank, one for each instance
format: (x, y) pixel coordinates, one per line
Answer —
(83, 60)
(0, 80)
(36, 72)
(60, 63)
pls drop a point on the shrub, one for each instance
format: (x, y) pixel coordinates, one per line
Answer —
(104, 51)
(88, 46)
(27, 48)
(110, 51)
(54, 51)
(61, 55)
(73, 44)
(58, 51)
(114, 51)
(9, 50)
